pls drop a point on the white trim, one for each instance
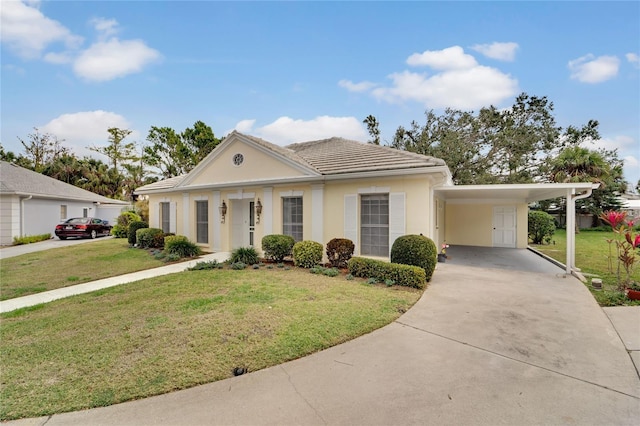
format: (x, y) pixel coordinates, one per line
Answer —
(351, 220)
(173, 217)
(185, 212)
(215, 230)
(317, 213)
(201, 198)
(292, 193)
(397, 217)
(267, 211)
(155, 223)
(459, 201)
(241, 195)
(374, 190)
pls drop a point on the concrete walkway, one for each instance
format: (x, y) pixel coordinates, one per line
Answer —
(483, 346)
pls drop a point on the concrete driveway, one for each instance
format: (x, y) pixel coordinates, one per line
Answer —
(55, 242)
(483, 346)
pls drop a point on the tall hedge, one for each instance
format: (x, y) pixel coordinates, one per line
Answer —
(416, 250)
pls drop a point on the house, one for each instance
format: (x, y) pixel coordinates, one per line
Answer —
(247, 188)
(33, 204)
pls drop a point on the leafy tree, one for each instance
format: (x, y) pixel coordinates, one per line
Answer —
(541, 227)
(117, 151)
(11, 157)
(373, 127)
(42, 149)
(200, 141)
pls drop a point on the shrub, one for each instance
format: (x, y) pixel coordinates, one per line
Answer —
(246, 255)
(150, 238)
(171, 257)
(403, 275)
(28, 239)
(133, 227)
(181, 246)
(277, 246)
(200, 266)
(307, 254)
(330, 272)
(119, 231)
(238, 266)
(339, 251)
(541, 226)
(416, 250)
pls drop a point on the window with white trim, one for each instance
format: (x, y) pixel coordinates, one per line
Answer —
(374, 225)
(292, 217)
(202, 221)
(165, 217)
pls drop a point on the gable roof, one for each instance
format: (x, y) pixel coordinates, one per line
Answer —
(20, 181)
(327, 157)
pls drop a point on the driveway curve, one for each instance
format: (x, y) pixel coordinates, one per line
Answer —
(483, 346)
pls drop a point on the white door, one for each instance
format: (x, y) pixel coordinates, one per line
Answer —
(504, 227)
(242, 223)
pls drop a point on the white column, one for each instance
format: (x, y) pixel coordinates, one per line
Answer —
(186, 231)
(216, 229)
(267, 211)
(317, 213)
(571, 235)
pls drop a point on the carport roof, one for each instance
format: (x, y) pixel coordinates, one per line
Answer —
(524, 192)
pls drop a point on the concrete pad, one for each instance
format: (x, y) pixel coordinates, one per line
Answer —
(626, 320)
(60, 293)
(635, 357)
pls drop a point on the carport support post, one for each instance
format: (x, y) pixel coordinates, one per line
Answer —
(571, 234)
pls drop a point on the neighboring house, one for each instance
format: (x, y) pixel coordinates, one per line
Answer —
(631, 205)
(32, 203)
(247, 188)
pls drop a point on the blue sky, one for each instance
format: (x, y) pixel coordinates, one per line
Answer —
(297, 71)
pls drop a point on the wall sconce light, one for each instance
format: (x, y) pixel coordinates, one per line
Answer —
(258, 210)
(223, 211)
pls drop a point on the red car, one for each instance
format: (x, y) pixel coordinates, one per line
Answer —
(83, 227)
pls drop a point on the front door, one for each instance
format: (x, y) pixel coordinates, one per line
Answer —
(242, 223)
(504, 226)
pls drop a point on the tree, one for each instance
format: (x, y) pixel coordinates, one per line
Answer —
(117, 151)
(11, 157)
(200, 141)
(42, 149)
(373, 127)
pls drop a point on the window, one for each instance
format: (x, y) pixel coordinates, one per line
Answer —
(292, 217)
(85, 212)
(374, 225)
(165, 208)
(202, 222)
(63, 212)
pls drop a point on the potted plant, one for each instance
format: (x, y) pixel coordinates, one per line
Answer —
(442, 256)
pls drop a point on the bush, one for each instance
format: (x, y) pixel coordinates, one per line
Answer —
(17, 241)
(171, 257)
(277, 246)
(150, 238)
(200, 266)
(246, 255)
(339, 251)
(119, 231)
(416, 250)
(403, 275)
(307, 254)
(541, 227)
(238, 266)
(181, 246)
(133, 227)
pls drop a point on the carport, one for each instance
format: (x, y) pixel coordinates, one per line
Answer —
(496, 215)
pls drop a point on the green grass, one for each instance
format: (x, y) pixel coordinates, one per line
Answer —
(592, 257)
(61, 267)
(177, 331)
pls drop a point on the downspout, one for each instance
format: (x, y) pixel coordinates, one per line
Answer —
(571, 225)
(22, 200)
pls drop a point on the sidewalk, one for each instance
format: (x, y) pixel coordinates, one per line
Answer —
(60, 293)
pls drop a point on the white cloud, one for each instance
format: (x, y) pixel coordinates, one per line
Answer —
(105, 27)
(459, 83)
(633, 58)
(286, 130)
(589, 69)
(88, 128)
(627, 147)
(114, 58)
(464, 89)
(450, 58)
(499, 51)
(363, 86)
(58, 58)
(27, 32)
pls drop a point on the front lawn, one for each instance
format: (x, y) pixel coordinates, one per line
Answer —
(177, 331)
(61, 267)
(592, 257)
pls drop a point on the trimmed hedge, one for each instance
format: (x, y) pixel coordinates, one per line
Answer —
(339, 251)
(404, 275)
(180, 246)
(416, 250)
(133, 228)
(277, 246)
(150, 238)
(307, 254)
